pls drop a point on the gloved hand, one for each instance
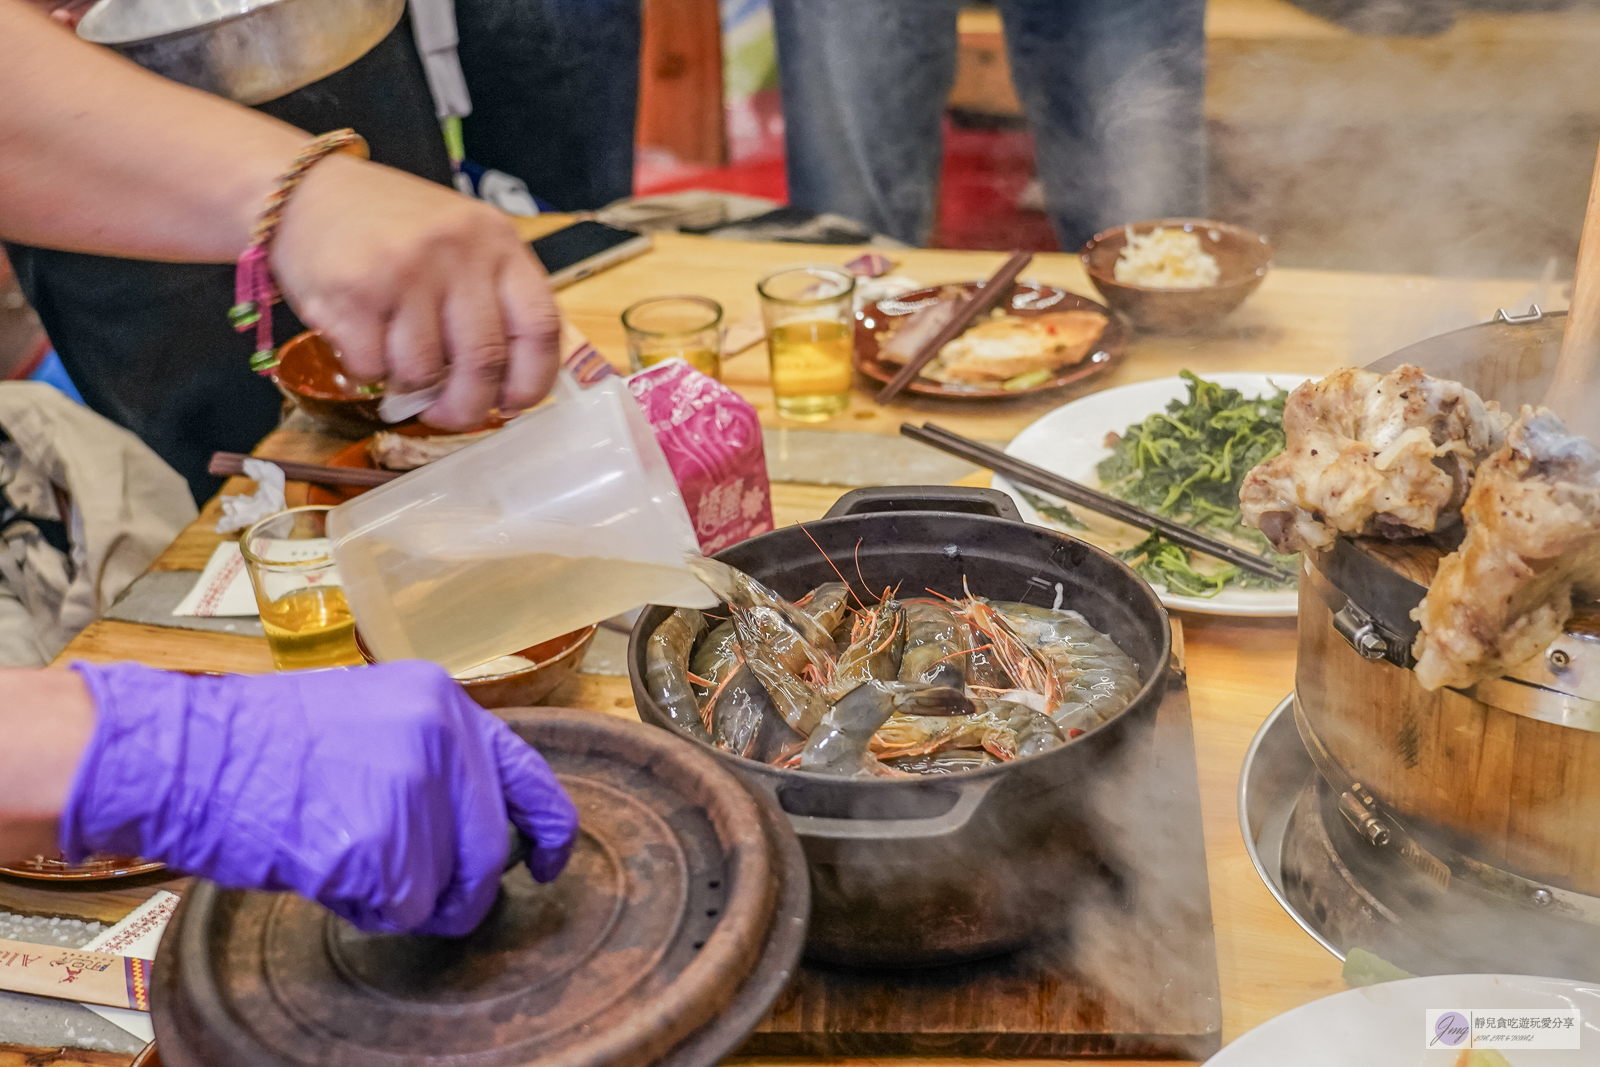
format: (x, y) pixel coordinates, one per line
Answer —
(380, 792)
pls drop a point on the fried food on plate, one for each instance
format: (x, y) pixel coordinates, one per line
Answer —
(1533, 536)
(1368, 455)
(1000, 347)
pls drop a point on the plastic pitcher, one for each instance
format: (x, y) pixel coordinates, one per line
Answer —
(567, 516)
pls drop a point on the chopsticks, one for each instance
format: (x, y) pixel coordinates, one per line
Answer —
(1024, 473)
(226, 463)
(985, 298)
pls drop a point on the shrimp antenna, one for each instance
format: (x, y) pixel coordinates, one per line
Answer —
(863, 577)
(961, 652)
(894, 628)
(848, 587)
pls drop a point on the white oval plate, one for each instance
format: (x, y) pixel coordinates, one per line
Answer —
(1070, 441)
(1384, 1025)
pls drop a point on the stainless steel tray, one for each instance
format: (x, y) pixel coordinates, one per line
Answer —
(1276, 769)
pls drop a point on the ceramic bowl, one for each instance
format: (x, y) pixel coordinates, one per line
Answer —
(1243, 256)
(309, 374)
(554, 661)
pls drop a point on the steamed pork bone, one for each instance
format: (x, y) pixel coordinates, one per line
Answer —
(1533, 537)
(1388, 456)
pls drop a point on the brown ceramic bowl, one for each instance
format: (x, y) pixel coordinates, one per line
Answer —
(309, 374)
(554, 661)
(1243, 256)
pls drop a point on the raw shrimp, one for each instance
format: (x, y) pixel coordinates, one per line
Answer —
(826, 605)
(1096, 678)
(937, 645)
(1032, 732)
(777, 655)
(983, 667)
(876, 645)
(766, 628)
(714, 660)
(916, 686)
(1002, 728)
(744, 721)
(952, 761)
(922, 698)
(921, 735)
(666, 670)
(739, 590)
(1027, 669)
(839, 743)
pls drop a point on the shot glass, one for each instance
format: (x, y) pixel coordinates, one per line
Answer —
(664, 327)
(298, 592)
(810, 318)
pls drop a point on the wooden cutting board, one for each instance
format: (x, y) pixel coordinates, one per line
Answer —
(1134, 977)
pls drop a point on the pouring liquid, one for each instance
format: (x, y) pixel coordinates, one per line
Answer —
(482, 607)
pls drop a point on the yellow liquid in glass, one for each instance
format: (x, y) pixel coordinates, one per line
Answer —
(703, 360)
(811, 369)
(309, 628)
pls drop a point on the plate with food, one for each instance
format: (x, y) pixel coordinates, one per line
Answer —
(55, 868)
(401, 449)
(1179, 447)
(1386, 1025)
(1041, 338)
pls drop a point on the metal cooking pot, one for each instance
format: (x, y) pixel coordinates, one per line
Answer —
(929, 870)
(249, 51)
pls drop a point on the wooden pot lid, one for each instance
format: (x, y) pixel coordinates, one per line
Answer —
(684, 897)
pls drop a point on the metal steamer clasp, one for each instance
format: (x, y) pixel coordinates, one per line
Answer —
(1442, 866)
(1370, 640)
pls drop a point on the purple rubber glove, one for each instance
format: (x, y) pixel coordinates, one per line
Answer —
(380, 792)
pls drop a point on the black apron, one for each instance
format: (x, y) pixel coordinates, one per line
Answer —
(149, 345)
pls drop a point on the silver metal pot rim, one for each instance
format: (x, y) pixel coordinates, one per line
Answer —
(90, 29)
(247, 51)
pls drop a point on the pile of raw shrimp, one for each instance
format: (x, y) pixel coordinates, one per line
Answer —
(929, 685)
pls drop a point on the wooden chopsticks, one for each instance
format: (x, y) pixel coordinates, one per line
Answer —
(226, 463)
(979, 302)
(1024, 473)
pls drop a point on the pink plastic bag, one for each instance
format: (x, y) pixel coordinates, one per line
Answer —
(712, 438)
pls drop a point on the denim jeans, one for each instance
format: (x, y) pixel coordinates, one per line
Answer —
(555, 88)
(1113, 91)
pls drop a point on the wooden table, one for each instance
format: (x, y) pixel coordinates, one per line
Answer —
(1298, 322)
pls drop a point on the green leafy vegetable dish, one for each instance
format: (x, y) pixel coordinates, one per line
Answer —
(1187, 462)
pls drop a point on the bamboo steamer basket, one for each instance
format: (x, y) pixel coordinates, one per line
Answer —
(1498, 785)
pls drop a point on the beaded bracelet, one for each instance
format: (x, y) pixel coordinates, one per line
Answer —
(253, 291)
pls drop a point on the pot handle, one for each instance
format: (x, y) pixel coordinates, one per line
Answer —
(968, 801)
(963, 499)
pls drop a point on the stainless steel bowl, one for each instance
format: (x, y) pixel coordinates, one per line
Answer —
(249, 51)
